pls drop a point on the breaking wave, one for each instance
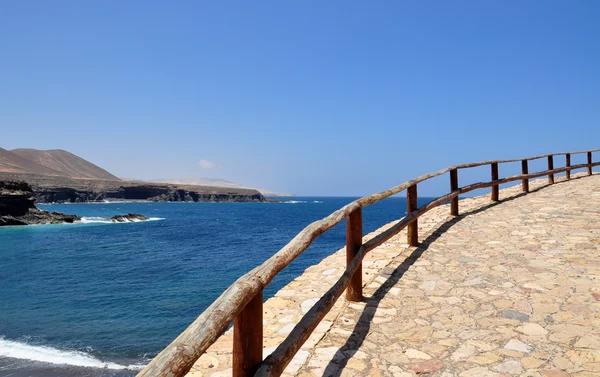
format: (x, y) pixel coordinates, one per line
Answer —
(51, 355)
(104, 220)
(301, 201)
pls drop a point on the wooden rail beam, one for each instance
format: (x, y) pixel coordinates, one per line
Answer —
(354, 235)
(481, 163)
(495, 188)
(248, 338)
(411, 206)
(524, 171)
(454, 187)
(568, 164)
(501, 181)
(550, 167)
(589, 159)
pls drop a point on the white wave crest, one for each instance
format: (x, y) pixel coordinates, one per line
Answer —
(104, 220)
(51, 355)
(301, 201)
(92, 219)
(97, 202)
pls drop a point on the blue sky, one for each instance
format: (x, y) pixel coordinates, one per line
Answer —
(310, 97)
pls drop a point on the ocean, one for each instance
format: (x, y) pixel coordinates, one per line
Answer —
(101, 299)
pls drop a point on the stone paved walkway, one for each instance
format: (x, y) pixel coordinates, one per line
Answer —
(507, 289)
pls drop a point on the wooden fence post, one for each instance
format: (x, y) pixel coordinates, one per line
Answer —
(568, 163)
(453, 187)
(354, 235)
(248, 338)
(412, 205)
(495, 190)
(550, 167)
(589, 155)
(525, 170)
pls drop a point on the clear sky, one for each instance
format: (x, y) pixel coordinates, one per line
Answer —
(310, 97)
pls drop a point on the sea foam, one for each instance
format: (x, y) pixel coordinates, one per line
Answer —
(300, 201)
(104, 220)
(17, 350)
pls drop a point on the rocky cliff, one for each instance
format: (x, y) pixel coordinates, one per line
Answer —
(17, 207)
(53, 189)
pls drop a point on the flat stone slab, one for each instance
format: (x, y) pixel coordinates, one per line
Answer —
(505, 289)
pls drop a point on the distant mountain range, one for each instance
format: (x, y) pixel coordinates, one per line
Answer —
(59, 175)
(217, 183)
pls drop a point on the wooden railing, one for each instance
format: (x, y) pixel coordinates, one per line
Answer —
(242, 302)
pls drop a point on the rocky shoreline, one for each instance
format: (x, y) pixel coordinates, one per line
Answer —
(17, 207)
(54, 189)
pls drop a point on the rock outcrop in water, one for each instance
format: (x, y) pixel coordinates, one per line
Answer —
(17, 207)
(128, 218)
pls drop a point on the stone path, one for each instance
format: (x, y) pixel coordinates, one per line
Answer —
(508, 289)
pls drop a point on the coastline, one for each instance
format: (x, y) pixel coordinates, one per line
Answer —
(56, 189)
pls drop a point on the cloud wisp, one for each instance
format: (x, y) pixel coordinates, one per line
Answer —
(206, 164)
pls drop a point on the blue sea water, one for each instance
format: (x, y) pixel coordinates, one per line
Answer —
(101, 299)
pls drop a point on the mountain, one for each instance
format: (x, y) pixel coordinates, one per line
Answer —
(200, 182)
(217, 183)
(66, 163)
(13, 163)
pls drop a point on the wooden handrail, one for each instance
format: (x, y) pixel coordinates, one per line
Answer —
(481, 163)
(242, 301)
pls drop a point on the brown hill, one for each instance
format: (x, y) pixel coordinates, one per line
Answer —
(66, 163)
(13, 163)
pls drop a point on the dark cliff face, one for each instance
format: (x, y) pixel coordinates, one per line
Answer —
(141, 192)
(66, 195)
(190, 196)
(154, 193)
(17, 207)
(16, 198)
